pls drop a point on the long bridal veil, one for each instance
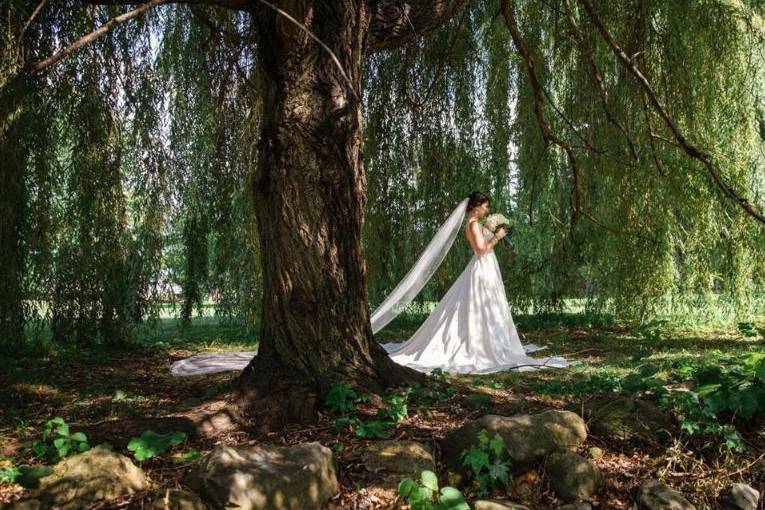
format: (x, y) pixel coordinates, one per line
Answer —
(421, 271)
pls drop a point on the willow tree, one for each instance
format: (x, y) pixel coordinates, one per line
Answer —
(309, 192)
(580, 78)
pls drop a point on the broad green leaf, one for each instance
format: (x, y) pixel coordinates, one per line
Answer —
(405, 487)
(452, 499)
(79, 436)
(429, 480)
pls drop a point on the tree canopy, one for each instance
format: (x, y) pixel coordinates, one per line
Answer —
(126, 165)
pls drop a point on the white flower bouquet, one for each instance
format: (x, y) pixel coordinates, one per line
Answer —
(496, 221)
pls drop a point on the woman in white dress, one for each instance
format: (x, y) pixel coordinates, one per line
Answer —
(471, 330)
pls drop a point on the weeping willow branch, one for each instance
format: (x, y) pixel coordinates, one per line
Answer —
(89, 38)
(547, 133)
(444, 57)
(31, 18)
(595, 76)
(215, 29)
(690, 149)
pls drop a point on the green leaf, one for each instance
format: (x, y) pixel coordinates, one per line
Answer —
(29, 476)
(189, 456)
(499, 471)
(497, 445)
(372, 429)
(8, 474)
(79, 436)
(405, 487)
(452, 499)
(708, 389)
(429, 480)
(476, 459)
(150, 444)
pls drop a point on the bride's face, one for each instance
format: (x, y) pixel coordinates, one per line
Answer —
(482, 210)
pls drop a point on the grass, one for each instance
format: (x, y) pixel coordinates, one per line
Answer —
(86, 386)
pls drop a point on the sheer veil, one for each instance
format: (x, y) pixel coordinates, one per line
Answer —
(423, 269)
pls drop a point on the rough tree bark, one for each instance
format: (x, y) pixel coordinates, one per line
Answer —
(309, 193)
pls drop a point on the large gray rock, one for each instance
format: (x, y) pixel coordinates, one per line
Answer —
(391, 461)
(573, 477)
(628, 418)
(742, 497)
(654, 495)
(300, 477)
(527, 437)
(95, 475)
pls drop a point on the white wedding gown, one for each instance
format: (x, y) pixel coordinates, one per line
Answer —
(471, 330)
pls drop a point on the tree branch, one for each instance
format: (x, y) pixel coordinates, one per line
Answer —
(595, 75)
(395, 23)
(241, 5)
(690, 149)
(547, 133)
(31, 18)
(83, 41)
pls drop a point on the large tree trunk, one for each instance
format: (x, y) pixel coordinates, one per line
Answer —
(309, 193)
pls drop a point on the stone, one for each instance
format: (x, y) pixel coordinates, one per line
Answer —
(654, 495)
(78, 481)
(573, 477)
(174, 499)
(495, 504)
(577, 506)
(595, 453)
(300, 477)
(628, 418)
(743, 497)
(528, 438)
(391, 461)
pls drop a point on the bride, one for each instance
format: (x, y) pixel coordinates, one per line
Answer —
(471, 330)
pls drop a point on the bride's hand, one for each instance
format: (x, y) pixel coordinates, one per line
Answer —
(499, 234)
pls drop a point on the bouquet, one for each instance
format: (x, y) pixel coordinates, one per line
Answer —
(496, 221)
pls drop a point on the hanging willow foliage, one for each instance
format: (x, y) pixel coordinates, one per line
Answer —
(125, 167)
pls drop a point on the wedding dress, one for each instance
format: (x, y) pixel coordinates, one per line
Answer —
(471, 330)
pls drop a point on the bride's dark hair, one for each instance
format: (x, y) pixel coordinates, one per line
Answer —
(475, 199)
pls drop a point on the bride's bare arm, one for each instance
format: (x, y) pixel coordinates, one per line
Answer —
(480, 245)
